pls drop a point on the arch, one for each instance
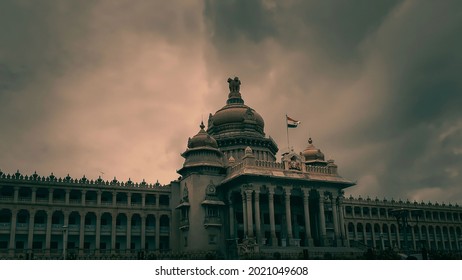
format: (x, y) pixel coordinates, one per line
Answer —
(351, 227)
(135, 220)
(359, 227)
(106, 220)
(121, 219)
(57, 218)
(150, 221)
(75, 196)
(368, 228)
(385, 228)
(23, 216)
(377, 228)
(40, 217)
(74, 219)
(90, 219)
(5, 216)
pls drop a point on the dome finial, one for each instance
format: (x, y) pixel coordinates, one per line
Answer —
(202, 126)
(310, 141)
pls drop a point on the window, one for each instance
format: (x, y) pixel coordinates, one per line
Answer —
(186, 241)
(3, 244)
(37, 245)
(53, 245)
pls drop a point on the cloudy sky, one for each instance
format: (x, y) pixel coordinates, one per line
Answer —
(115, 88)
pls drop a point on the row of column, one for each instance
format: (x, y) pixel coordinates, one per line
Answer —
(82, 230)
(254, 193)
(413, 238)
(83, 194)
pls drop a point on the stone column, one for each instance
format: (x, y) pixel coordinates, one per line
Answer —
(287, 192)
(114, 198)
(50, 196)
(274, 240)
(413, 238)
(322, 220)
(343, 234)
(15, 194)
(428, 238)
(231, 217)
(30, 237)
(34, 194)
(306, 196)
(335, 221)
(244, 212)
(98, 197)
(249, 213)
(65, 232)
(83, 197)
(82, 233)
(67, 194)
(98, 231)
(143, 200)
(158, 232)
(398, 239)
(143, 231)
(48, 231)
(257, 215)
(129, 199)
(129, 230)
(113, 231)
(12, 231)
(442, 238)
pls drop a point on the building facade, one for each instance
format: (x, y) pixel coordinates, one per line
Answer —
(233, 198)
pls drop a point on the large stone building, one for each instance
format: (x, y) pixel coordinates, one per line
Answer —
(233, 198)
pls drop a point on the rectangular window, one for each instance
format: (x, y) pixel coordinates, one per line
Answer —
(102, 246)
(3, 244)
(20, 245)
(53, 245)
(86, 245)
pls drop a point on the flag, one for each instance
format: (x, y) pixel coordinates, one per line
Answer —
(291, 123)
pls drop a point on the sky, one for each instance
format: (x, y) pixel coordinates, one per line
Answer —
(114, 88)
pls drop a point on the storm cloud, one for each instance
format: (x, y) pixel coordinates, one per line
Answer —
(115, 88)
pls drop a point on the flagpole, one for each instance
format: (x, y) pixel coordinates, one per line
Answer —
(287, 128)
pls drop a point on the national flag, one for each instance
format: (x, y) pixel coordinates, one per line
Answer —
(291, 123)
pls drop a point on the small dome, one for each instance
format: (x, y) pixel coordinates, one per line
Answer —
(202, 139)
(311, 153)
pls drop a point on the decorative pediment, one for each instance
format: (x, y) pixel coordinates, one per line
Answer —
(292, 161)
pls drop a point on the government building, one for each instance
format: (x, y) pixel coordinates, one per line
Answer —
(234, 199)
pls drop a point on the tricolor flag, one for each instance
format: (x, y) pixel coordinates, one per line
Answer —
(291, 123)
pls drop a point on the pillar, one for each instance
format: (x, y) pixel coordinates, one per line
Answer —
(82, 232)
(287, 191)
(15, 194)
(335, 221)
(129, 230)
(274, 241)
(343, 234)
(98, 231)
(143, 231)
(231, 217)
(322, 220)
(143, 201)
(34, 194)
(48, 231)
(158, 231)
(306, 196)
(98, 197)
(83, 197)
(67, 194)
(113, 230)
(249, 213)
(30, 237)
(244, 213)
(12, 231)
(257, 215)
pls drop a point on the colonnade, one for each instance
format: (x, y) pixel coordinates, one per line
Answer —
(252, 224)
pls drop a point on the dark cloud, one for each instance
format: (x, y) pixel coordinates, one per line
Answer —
(92, 87)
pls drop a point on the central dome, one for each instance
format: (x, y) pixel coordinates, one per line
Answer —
(235, 116)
